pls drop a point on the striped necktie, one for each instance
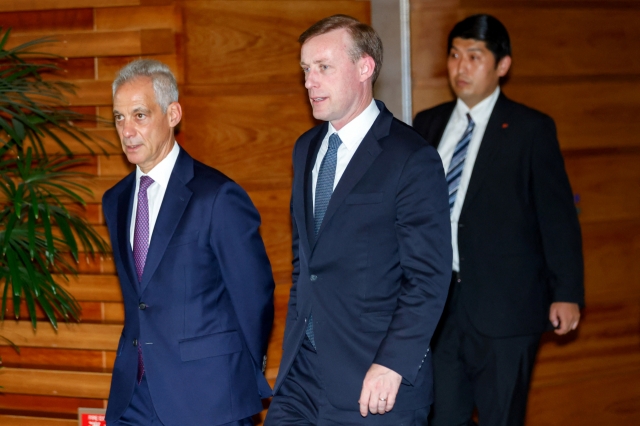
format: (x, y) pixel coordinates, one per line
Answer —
(457, 162)
(324, 190)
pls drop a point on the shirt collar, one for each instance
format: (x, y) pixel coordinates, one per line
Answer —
(354, 131)
(481, 112)
(162, 171)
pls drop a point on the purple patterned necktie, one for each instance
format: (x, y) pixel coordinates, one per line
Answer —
(141, 234)
(141, 245)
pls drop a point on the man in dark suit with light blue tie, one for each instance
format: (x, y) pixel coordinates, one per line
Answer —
(371, 248)
(517, 265)
(196, 282)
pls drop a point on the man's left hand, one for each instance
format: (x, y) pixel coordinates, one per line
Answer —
(564, 316)
(379, 390)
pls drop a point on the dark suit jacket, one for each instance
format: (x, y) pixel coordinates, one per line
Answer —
(377, 276)
(207, 291)
(518, 234)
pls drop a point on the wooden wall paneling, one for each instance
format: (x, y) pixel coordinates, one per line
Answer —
(594, 401)
(603, 183)
(248, 137)
(53, 406)
(25, 5)
(68, 336)
(56, 383)
(573, 41)
(138, 18)
(589, 113)
(607, 343)
(30, 421)
(105, 43)
(47, 21)
(611, 253)
(56, 359)
(252, 41)
(273, 205)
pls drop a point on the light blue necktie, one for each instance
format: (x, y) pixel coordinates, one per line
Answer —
(457, 162)
(324, 189)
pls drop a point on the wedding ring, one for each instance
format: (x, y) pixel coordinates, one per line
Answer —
(383, 399)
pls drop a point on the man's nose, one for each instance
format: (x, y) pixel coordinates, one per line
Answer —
(310, 80)
(128, 130)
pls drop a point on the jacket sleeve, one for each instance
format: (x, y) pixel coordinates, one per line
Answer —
(557, 216)
(424, 240)
(244, 266)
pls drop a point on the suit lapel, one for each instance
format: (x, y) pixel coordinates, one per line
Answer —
(174, 203)
(362, 159)
(124, 209)
(494, 137)
(312, 154)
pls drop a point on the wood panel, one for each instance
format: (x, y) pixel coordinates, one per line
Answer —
(257, 39)
(52, 406)
(239, 136)
(55, 383)
(611, 253)
(607, 343)
(593, 401)
(30, 421)
(106, 43)
(603, 182)
(602, 118)
(23, 5)
(574, 41)
(58, 359)
(69, 335)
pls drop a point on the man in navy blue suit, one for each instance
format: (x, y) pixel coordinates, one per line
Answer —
(371, 248)
(195, 278)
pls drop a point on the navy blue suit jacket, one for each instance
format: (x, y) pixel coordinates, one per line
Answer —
(376, 277)
(207, 291)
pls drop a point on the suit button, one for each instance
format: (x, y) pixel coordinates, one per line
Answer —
(142, 306)
(313, 277)
(135, 342)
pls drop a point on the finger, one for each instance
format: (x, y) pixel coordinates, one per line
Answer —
(364, 401)
(382, 404)
(374, 399)
(391, 400)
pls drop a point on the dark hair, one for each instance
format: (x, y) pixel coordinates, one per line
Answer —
(365, 39)
(485, 28)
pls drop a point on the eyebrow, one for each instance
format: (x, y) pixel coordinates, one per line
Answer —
(317, 61)
(135, 111)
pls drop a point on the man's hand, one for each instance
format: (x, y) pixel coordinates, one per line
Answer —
(564, 316)
(379, 390)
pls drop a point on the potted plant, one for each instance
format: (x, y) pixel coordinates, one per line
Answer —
(42, 230)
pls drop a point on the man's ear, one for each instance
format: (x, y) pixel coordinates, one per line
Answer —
(174, 114)
(366, 66)
(503, 66)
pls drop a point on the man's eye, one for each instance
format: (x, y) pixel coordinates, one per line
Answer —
(140, 116)
(324, 67)
(305, 70)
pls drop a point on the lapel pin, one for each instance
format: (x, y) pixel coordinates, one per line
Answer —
(505, 125)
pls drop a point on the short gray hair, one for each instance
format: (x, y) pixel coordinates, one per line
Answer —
(165, 86)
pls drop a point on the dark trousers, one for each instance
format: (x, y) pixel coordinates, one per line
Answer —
(473, 370)
(302, 401)
(141, 412)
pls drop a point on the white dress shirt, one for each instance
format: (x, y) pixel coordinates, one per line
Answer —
(155, 193)
(351, 136)
(452, 134)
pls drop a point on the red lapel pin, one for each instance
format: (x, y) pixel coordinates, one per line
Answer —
(505, 125)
